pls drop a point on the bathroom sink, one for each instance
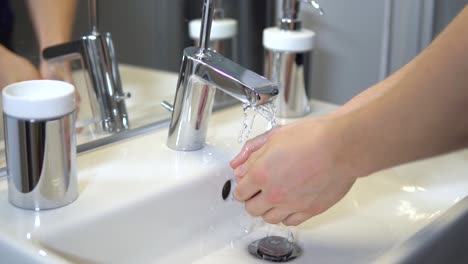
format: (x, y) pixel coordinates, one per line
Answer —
(141, 202)
(378, 214)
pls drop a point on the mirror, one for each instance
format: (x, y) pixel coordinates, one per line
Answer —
(148, 37)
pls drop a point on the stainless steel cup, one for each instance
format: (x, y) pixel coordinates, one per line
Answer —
(290, 70)
(40, 144)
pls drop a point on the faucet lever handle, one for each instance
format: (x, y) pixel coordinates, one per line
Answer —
(207, 20)
(123, 96)
(93, 16)
(169, 107)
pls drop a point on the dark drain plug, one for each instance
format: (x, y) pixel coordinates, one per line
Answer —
(275, 249)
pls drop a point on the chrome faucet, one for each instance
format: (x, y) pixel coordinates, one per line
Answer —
(98, 55)
(202, 72)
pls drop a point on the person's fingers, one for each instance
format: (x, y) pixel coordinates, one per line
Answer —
(249, 185)
(249, 147)
(298, 218)
(254, 177)
(245, 190)
(257, 205)
(319, 203)
(276, 215)
(241, 171)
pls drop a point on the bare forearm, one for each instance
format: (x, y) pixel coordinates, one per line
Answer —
(377, 90)
(424, 114)
(52, 19)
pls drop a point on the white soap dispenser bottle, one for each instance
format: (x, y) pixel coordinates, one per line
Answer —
(288, 51)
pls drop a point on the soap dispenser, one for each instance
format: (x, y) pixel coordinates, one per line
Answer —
(288, 52)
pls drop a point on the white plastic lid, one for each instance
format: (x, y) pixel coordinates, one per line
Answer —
(288, 40)
(38, 99)
(220, 29)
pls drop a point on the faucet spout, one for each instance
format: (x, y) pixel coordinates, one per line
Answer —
(202, 72)
(231, 78)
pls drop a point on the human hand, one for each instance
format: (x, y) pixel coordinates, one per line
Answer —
(55, 71)
(59, 71)
(14, 68)
(294, 172)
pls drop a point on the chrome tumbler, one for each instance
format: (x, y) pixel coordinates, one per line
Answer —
(288, 61)
(40, 143)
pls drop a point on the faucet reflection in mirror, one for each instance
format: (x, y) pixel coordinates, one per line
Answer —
(202, 72)
(98, 55)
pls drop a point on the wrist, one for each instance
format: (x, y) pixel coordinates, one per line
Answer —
(355, 153)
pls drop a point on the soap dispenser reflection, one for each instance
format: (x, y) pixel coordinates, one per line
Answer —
(288, 59)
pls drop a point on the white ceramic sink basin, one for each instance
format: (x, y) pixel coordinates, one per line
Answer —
(177, 225)
(141, 202)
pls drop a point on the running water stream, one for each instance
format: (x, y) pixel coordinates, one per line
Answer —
(279, 242)
(268, 111)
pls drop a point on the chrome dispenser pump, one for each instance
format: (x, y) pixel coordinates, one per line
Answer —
(287, 59)
(291, 8)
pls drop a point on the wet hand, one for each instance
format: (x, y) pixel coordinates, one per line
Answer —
(62, 72)
(293, 172)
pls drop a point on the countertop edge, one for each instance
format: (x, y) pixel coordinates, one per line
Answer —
(442, 241)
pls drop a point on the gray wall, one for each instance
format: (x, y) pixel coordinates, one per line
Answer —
(445, 10)
(346, 58)
(153, 33)
(145, 32)
(348, 55)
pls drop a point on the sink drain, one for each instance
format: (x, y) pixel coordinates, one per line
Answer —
(274, 249)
